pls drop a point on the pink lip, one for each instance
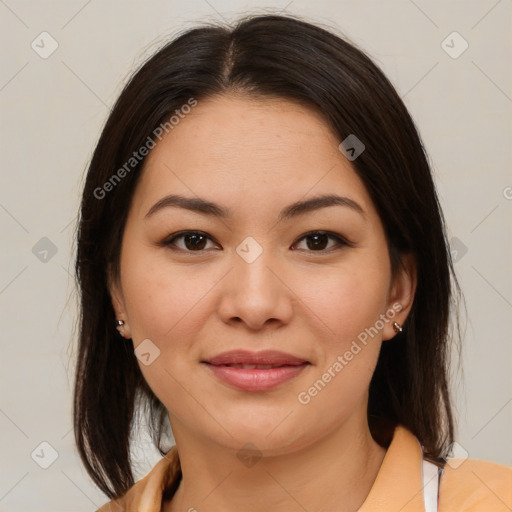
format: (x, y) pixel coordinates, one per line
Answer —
(281, 368)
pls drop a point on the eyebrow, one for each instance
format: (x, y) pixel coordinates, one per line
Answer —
(205, 207)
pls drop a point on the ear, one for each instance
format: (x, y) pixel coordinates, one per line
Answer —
(118, 303)
(401, 294)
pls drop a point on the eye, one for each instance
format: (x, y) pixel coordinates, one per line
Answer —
(193, 241)
(319, 239)
(196, 241)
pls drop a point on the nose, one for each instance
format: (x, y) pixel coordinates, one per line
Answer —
(256, 294)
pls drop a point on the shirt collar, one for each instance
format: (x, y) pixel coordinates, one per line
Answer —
(397, 488)
(399, 483)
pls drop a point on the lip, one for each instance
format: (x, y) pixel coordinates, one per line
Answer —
(264, 357)
(255, 371)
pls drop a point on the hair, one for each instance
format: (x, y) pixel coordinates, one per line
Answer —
(283, 57)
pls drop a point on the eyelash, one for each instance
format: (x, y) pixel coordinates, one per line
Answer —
(169, 241)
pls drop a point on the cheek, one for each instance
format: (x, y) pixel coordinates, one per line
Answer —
(353, 300)
(349, 302)
(164, 300)
(164, 304)
(349, 298)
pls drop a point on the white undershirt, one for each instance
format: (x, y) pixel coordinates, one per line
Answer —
(431, 476)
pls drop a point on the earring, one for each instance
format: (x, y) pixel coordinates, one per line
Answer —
(397, 327)
(119, 326)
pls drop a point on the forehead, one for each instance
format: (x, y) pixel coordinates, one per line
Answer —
(262, 150)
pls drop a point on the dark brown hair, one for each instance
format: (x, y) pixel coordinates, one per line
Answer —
(279, 57)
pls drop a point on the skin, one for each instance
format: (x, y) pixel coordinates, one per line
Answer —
(256, 157)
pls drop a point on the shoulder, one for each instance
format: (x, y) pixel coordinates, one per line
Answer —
(147, 493)
(475, 485)
(126, 502)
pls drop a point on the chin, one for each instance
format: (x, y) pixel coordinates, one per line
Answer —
(272, 434)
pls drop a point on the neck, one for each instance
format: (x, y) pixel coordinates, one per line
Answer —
(335, 473)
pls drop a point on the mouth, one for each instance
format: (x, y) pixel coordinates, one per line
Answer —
(255, 371)
(269, 358)
(257, 366)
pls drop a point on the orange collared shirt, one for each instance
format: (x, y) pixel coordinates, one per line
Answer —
(466, 485)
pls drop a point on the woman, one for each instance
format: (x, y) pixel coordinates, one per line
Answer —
(260, 223)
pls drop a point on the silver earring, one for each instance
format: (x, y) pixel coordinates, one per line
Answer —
(397, 327)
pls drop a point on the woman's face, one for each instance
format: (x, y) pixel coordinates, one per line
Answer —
(256, 278)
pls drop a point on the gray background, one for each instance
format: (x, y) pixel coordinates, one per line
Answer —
(53, 109)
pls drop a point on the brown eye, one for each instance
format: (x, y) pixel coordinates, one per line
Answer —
(196, 241)
(193, 241)
(317, 241)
